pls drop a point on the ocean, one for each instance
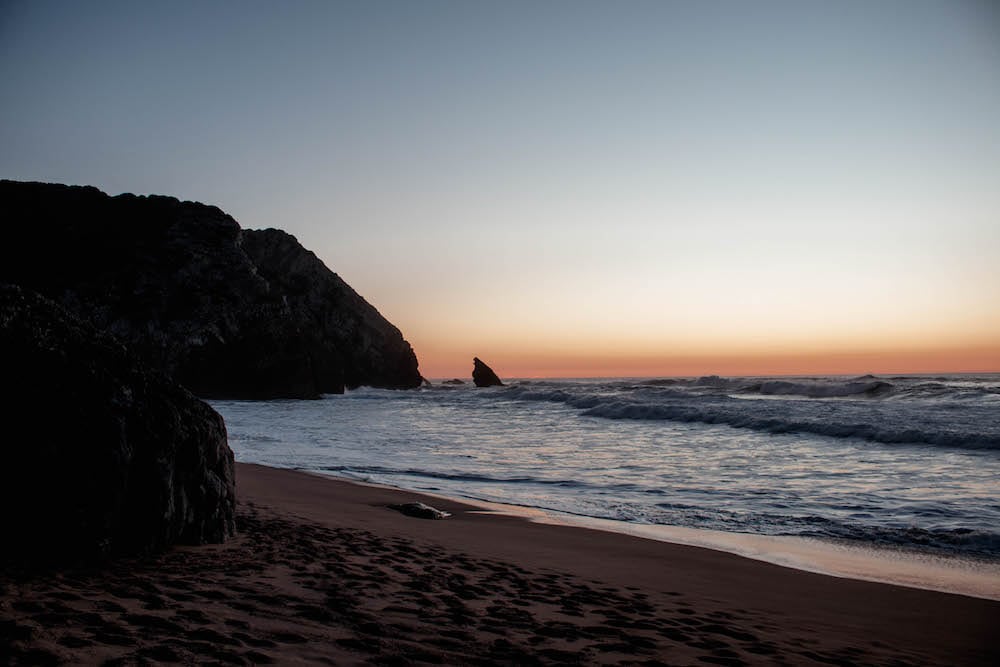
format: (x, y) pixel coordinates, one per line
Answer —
(907, 464)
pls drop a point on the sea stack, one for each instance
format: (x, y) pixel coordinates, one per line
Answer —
(483, 375)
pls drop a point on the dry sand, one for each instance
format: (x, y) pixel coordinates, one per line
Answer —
(322, 572)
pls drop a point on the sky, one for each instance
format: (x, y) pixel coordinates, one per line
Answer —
(565, 188)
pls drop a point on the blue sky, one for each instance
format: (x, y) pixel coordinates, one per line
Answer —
(654, 185)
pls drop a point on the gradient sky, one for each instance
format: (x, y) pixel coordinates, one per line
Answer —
(565, 188)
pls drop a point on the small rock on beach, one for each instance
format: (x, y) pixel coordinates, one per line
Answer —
(420, 511)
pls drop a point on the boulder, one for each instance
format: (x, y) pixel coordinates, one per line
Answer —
(483, 375)
(227, 312)
(101, 455)
(454, 381)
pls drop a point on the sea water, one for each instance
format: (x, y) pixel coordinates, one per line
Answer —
(908, 464)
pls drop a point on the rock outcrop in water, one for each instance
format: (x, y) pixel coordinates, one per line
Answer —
(226, 312)
(100, 455)
(483, 375)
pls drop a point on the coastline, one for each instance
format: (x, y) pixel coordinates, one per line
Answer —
(323, 571)
(934, 623)
(897, 567)
(940, 627)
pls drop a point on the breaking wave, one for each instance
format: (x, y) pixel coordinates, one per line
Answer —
(818, 390)
(905, 411)
(777, 425)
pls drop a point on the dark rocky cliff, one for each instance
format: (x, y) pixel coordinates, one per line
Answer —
(227, 312)
(375, 352)
(101, 455)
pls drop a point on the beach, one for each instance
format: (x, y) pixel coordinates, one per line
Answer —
(323, 572)
(490, 333)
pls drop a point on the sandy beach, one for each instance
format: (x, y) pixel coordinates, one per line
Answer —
(322, 572)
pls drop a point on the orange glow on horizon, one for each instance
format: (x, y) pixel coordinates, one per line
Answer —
(524, 364)
(612, 340)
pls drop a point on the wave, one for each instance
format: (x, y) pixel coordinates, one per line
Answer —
(969, 541)
(975, 542)
(454, 477)
(864, 386)
(944, 540)
(865, 431)
(717, 382)
(984, 389)
(867, 385)
(858, 419)
(826, 389)
(936, 390)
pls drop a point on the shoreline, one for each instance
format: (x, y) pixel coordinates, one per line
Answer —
(943, 625)
(898, 567)
(322, 571)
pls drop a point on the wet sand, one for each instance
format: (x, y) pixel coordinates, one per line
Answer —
(323, 573)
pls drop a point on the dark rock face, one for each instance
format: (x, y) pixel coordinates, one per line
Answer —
(100, 455)
(483, 375)
(363, 347)
(227, 312)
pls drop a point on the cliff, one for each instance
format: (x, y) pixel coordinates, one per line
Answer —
(227, 312)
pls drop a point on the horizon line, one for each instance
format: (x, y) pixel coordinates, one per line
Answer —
(728, 375)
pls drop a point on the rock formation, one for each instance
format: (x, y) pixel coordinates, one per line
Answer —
(420, 511)
(225, 311)
(483, 375)
(100, 454)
